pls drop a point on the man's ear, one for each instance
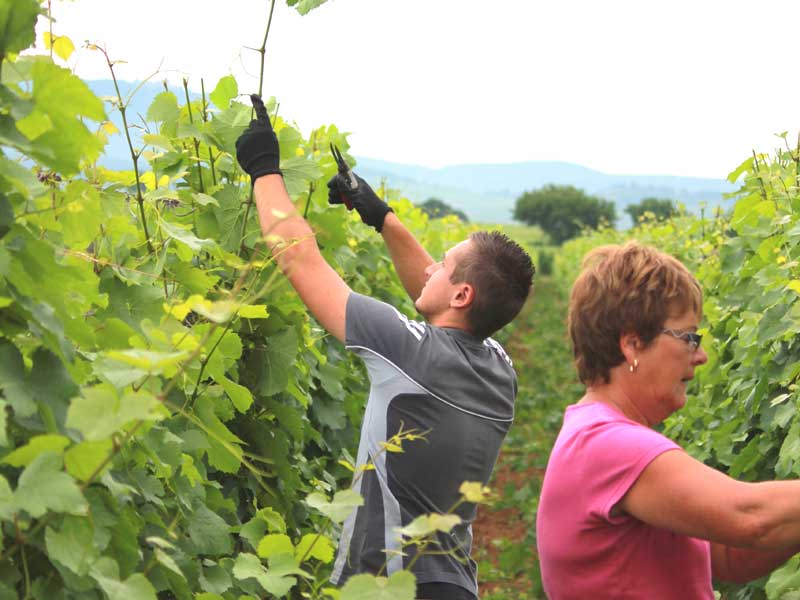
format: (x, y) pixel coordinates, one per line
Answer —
(463, 297)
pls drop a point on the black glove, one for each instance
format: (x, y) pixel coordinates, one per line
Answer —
(371, 209)
(257, 148)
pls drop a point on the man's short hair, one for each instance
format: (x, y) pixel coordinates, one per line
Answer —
(625, 289)
(501, 273)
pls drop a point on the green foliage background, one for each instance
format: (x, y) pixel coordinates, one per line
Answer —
(166, 403)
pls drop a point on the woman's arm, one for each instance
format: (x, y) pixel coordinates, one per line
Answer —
(744, 521)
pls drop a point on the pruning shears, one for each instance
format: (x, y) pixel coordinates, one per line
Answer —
(347, 174)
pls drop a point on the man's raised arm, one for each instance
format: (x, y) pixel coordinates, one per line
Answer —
(288, 235)
(409, 257)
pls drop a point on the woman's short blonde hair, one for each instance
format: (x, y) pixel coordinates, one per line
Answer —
(625, 289)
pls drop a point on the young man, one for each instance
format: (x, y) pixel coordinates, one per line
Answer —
(444, 377)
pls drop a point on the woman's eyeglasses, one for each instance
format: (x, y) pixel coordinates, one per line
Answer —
(691, 338)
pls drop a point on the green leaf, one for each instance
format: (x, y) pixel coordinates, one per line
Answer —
(305, 6)
(3, 419)
(265, 519)
(314, 545)
(224, 451)
(44, 486)
(298, 173)
(338, 509)
(186, 237)
(164, 108)
(209, 532)
(784, 579)
(277, 580)
(272, 365)
(136, 587)
(6, 500)
(6, 215)
(25, 455)
(275, 543)
(240, 396)
(400, 586)
(149, 361)
(73, 544)
(227, 89)
(17, 22)
(12, 381)
(168, 562)
(100, 412)
(83, 460)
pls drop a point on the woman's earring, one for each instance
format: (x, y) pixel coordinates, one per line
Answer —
(635, 364)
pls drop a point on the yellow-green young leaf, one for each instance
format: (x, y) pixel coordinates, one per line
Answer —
(83, 460)
(339, 508)
(24, 455)
(275, 543)
(5, 301)
(314, 545)
(390, 447)
(347, 465)
(474, 491)
(60, 44)
(427, 524)
(253, 311)
(400, 586)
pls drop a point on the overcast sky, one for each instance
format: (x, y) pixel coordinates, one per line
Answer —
(626, 87)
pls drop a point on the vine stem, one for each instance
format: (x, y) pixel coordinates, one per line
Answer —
(205, 120)
(134, 157)
(263, 51)
(194, 139)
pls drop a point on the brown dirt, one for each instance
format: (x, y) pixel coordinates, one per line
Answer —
(495, 524)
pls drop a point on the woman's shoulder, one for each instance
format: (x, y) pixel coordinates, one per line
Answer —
(595, 425)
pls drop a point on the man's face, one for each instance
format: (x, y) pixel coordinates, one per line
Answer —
(438, 290)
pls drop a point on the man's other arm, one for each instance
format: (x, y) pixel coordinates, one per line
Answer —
(409, 257)
(295, 250)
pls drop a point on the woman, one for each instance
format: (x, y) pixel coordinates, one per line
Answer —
(624, 512)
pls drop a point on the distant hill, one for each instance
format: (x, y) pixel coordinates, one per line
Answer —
(485, 192)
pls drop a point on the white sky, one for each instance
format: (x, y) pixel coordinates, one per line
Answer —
(685, 87)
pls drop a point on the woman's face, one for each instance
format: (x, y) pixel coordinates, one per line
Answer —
(666, 366)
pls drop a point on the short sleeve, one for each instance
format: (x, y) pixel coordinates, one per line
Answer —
(379, 327)
(619, 451)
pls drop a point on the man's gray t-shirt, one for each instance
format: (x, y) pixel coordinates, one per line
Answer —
(457, 389)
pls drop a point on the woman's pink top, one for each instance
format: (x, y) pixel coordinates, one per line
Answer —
(584, 552)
